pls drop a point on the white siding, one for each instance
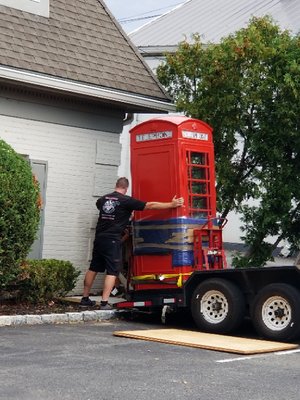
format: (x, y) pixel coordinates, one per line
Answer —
(70, 212)
(39, 7)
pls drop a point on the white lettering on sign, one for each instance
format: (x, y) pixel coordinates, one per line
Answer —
(195, 135)
(153, 136)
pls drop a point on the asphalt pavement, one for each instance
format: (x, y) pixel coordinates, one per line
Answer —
(84, 361)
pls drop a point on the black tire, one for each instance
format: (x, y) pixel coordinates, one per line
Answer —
(218, 306)
(276, 312)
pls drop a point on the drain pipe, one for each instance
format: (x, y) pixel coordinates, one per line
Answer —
(128, 119)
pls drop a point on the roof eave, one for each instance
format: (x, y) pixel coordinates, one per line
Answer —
(129, 101)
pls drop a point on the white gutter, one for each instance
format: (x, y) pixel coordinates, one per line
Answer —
(85, 89)
(155, 50)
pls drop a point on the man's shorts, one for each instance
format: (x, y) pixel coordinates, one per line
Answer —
(106, 256)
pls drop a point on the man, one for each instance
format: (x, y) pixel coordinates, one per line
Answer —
(115, 210)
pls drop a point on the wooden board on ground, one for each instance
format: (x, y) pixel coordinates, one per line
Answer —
(209, 341)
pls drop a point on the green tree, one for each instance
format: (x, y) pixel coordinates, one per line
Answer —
(19, 212)
(247, 88)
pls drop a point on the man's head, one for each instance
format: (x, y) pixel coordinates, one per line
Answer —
(122, 185)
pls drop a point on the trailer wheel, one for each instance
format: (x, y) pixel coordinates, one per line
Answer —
(217, 306)
(276, 312)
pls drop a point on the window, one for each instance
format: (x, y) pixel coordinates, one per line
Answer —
(198, 184)
(39, 7)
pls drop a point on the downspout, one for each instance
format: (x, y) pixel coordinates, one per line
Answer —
(128, 119)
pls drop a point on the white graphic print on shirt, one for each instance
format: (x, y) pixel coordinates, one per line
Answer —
(109, 208)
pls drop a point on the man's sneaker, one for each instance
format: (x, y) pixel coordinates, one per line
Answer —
(87, 302)
(106, 307)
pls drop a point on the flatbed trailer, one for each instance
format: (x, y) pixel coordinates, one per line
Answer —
(220, 300)
(175, 258)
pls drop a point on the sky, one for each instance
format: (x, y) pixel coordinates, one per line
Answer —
(132, 14)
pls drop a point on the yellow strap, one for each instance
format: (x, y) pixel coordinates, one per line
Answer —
(162, 277)
(143, 277)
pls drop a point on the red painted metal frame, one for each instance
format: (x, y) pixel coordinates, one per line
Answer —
(165, 153)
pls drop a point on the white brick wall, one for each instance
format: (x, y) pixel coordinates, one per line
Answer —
(70, 212)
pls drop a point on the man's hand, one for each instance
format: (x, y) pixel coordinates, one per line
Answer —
(177, 202)
(155, 205)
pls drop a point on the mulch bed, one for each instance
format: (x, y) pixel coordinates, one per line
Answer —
(11, 307)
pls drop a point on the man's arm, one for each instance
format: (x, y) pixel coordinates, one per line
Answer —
(98, 203)
(155, 205)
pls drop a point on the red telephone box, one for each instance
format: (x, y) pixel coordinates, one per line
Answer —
(170, 156)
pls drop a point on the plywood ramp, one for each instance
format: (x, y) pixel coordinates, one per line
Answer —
(209, 341)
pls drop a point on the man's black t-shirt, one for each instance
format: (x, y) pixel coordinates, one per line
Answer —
(115, 211)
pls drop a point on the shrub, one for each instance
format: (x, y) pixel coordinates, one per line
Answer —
(43, 280)
(19, 212)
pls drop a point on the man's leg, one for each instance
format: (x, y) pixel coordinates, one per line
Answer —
(112, 261)
(109, 283)
(88, 281)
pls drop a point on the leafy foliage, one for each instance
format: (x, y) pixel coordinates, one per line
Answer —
(44, 280)
(247, 88)
(19, 212)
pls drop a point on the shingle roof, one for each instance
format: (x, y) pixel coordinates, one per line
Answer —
(80, 41)
(214, 19)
